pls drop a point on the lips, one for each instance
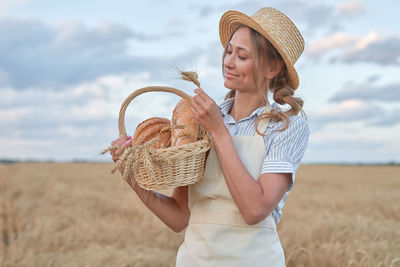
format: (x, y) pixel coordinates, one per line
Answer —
(230, 74)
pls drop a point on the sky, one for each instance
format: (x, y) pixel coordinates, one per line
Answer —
(67, 66)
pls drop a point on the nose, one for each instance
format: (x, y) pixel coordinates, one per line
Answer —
(229, 61)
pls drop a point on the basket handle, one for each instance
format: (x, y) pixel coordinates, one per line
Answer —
(121, 120)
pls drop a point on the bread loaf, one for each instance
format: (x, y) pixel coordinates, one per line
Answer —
(149, 129)
(182, 115)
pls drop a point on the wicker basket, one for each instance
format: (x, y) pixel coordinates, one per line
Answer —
(163, 168)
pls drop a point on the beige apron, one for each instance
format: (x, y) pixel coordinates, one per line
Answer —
(217, 234)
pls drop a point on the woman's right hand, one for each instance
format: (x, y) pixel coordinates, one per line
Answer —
(122, 142)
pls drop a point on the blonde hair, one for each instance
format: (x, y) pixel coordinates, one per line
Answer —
(266, 53)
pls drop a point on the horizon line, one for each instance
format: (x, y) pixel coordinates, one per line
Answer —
(77, 160)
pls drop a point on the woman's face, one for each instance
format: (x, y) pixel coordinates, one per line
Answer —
(239, 61)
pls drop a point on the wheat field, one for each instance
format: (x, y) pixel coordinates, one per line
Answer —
(78, 214)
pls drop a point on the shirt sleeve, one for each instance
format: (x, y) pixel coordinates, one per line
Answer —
(287, 149)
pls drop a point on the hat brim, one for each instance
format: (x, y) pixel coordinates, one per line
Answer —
(231, 18)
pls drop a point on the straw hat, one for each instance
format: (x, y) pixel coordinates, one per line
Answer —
(273, 25)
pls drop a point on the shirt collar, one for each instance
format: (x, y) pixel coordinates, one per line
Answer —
(226, 105)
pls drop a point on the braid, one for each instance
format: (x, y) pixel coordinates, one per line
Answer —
(283, 94)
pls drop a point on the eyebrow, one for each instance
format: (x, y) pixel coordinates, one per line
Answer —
(239, 47)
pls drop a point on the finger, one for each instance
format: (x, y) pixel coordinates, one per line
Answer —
(121, 149)
(113, 143)
(200, 92)
(197, 99)
(195, 113)
(118, 142)
(199, 108)
(122, 140)
(112, 152)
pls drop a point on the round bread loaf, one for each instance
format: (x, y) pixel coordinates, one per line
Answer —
(149, 129)
(182, 115)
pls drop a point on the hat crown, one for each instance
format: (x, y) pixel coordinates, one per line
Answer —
(284, 34)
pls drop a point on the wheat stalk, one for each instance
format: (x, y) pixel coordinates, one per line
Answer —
(190, 76)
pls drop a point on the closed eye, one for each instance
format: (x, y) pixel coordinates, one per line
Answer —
(242, 58)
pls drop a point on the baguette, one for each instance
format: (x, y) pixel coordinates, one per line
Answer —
(150, 128)
(182, 115)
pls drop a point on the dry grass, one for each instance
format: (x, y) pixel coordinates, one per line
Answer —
(76, 214)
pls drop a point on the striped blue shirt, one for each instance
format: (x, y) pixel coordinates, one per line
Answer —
(284, 149)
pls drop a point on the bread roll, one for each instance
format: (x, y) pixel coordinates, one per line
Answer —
(150, 128)
(182, 115)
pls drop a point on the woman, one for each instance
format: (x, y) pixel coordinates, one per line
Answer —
(230, 215)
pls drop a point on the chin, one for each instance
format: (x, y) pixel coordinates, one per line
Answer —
(229, 85)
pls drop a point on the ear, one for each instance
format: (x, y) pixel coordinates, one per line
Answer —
(273, 69)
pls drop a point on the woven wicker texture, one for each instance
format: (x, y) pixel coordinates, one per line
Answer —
(273, 25)
(164, 168)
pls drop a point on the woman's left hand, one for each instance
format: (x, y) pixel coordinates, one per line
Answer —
(207, 112)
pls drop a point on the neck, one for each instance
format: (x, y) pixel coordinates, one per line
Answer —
(244, 104)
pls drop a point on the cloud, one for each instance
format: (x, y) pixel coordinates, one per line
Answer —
(314, 16)
(371, 48)
(203, 9)
(308, 16)
(367, 91)
(365, 103)
(206, 11)
(354, 142)
(319, 48)
(347, 147)
(389, 119)
(174, 23)
(86, 105)
(62, 86)
(351, 8)
(345, 111)
(47, 56)
(6, 4)
(79, 121)
(339, 40)
(373, 78)
(379, 51)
